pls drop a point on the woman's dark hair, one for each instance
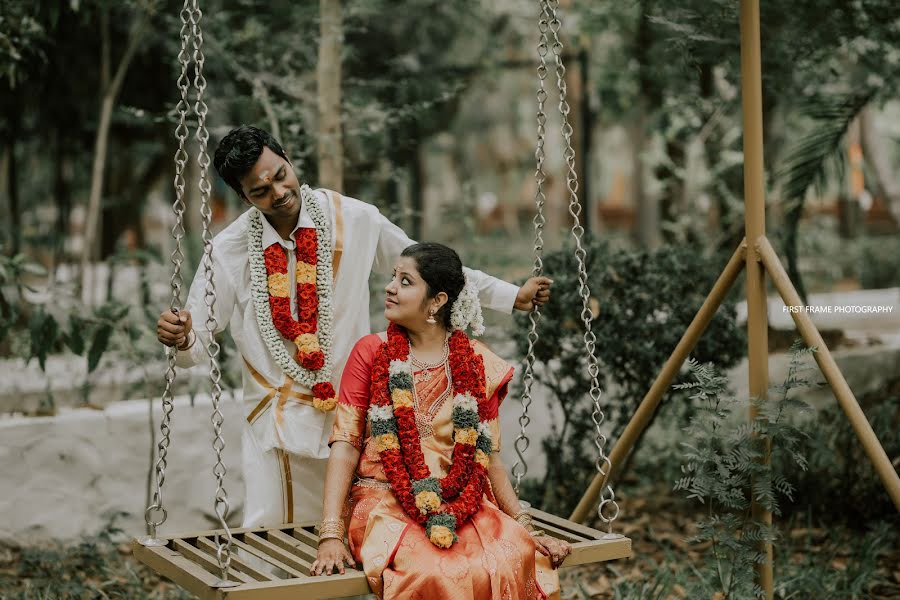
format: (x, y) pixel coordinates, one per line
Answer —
(442, 271)
(238, 152)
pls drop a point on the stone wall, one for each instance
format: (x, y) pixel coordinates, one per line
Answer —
(62, 475)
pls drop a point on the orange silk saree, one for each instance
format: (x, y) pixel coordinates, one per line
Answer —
(495, 557)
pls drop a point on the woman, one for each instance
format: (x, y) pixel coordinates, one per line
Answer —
(431, 513)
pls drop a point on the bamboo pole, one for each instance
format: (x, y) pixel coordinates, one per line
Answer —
(755, 229)
(647, 407)
(832, 373)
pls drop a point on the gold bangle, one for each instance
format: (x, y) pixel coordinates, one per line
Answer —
(523, 518)
(331, 529)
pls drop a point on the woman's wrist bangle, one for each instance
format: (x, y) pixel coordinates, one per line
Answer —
(523, 518)
(331, 529)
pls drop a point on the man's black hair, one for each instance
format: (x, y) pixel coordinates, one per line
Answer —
(238, 152)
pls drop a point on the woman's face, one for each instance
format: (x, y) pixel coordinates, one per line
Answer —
(406, 302)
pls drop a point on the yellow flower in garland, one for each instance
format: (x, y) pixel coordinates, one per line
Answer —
(468, 436)
(401, 398)
(326, 405)
(278, 285)
(387, 441)
(482, 458)
(307, 342)
(427, 501)
(441, 536)
(306, 273)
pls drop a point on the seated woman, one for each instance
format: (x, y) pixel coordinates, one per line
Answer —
(431, 512)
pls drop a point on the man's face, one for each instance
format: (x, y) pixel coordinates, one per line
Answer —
(272, 187)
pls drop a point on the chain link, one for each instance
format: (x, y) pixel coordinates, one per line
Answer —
(223, 543)
(156, 507)
(520, 468)
(607, 496)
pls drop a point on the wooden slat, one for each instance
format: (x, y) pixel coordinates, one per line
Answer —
(237, 530)
(577, 528)
(293, 545)
(323, 587)
(237, 563)
(260, 553)
(285, 556)
(306, 536)
(598, 551)
(169, 563)
(560, 534)
(206, 561)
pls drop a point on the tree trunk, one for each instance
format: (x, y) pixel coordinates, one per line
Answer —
(328, 79)
(876, 154)
(591, 216)
(63, 196)
(648, 226)
(647, 214)
(262, 94)
(12, 181)
(417, 189)
(101, 141)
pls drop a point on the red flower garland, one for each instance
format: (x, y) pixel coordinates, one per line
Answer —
(463, 486)
(302, 331)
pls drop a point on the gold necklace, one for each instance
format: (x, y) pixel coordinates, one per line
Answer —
(422, 365)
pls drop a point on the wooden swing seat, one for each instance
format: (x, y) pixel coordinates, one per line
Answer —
(282, 556)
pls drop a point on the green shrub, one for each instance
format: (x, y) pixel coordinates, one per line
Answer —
(878, 262)
(93, 568)
(724, 470)
(646, 301)
(841, 484)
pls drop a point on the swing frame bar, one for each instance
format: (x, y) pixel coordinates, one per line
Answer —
(756, 255)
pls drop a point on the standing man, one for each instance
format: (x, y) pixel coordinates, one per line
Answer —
(291, 277)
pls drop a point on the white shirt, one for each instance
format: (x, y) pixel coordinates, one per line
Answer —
(370, 242)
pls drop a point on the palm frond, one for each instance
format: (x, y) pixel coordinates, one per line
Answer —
(807, 163)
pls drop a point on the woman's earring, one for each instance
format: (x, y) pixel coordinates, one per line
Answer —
(430, 320)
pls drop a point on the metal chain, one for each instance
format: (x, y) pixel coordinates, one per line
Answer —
(176, 282)
(520, 468)
(223, 546)
(607, 497)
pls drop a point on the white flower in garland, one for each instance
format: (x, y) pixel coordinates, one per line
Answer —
(324, 291)
(398, 367)
(466, 310)
(466, 402)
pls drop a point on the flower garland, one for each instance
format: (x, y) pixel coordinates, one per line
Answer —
(302, 330)
(441, 505)
(271, 300)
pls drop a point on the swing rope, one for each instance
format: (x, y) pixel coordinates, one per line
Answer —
(520, 468)
(549, 25)
(192, 52)
(176, 282)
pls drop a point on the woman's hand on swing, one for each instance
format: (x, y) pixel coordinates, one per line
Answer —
(556, 549)
(332, 555)
(174, 329)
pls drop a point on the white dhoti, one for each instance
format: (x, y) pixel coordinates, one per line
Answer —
(280, 487)
(284, 454)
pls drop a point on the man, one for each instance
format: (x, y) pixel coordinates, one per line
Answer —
(291, 278)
